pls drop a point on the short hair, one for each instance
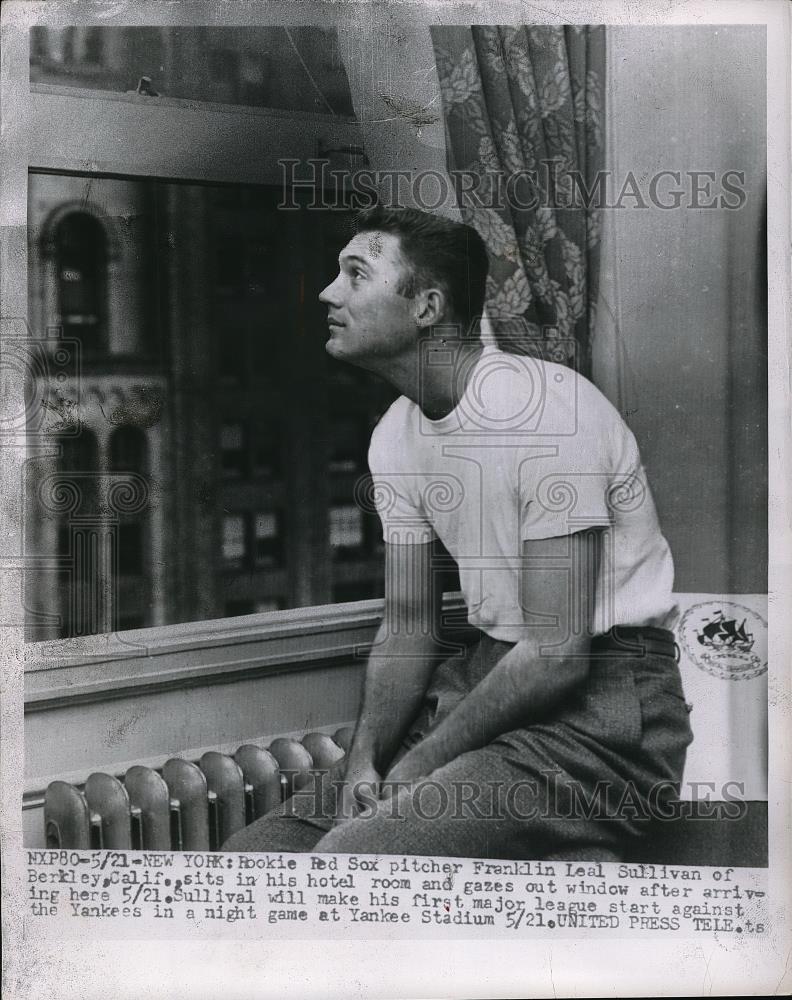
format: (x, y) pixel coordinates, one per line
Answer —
(437, 252)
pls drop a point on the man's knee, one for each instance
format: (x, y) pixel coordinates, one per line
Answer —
(411, 821)
(251, 839)
(299, 822)
(275, 833)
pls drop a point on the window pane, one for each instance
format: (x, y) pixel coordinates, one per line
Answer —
(234, 537)
(231, 437)
(346, 527)
(128, 448)
(294, 69)
(266, 526)
(233, 452)
(266, 530)
(81, 260)
(130, 549)
(272, 605)
(212, 437)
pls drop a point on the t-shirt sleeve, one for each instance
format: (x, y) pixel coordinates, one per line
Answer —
(579, 480)
(395, 489)
(558, 499)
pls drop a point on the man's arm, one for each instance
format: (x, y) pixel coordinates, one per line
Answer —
(400, 665)
(539, 672)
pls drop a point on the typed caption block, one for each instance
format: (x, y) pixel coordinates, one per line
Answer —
(248, 895)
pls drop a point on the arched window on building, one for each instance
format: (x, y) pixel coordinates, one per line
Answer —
(128, 457)
(78, 467)
(78, 488)
(129, 451)
(81, 253)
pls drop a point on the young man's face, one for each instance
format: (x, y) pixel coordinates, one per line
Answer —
(370, 322)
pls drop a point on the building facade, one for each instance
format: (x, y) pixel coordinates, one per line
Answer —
(200, 454)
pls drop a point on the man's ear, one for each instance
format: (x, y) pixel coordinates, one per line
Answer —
(430, 307)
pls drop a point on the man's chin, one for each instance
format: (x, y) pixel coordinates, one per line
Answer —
(333, 347)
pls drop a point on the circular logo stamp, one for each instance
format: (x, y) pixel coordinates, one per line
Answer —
(725, 639)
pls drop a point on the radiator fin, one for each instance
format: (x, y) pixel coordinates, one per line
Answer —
(188, 805)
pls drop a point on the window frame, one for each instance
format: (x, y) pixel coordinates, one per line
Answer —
(126, 134)
(132, 136)
(251, 141)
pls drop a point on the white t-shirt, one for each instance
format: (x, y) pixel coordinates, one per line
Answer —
(531, 451)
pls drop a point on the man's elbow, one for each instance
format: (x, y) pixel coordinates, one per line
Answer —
(566, 667)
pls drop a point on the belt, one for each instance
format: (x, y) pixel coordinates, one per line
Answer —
(635, 640)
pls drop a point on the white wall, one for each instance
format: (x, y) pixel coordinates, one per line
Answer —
(681, 341)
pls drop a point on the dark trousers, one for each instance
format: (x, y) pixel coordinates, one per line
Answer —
(581, 784)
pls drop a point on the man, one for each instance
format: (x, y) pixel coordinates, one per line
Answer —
(554, 734)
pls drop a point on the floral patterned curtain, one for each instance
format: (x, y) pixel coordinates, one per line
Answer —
(523, 110)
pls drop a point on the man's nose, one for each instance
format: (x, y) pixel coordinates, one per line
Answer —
(330, 295)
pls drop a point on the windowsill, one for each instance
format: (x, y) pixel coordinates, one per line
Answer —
(245, 110)
(184, 636)
(151, 660)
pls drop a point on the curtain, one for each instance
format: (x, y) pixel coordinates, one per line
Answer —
(523, 110)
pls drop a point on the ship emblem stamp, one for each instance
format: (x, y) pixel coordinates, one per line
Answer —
(725, 639)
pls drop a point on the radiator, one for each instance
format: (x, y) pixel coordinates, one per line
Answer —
(186, 805)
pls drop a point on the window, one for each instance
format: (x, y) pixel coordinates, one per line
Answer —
(65, 49)
(82, 280)
(195, 298)
(346, 527)
(94, 46)
(231, 414)
(77, 493)
(273, 604)
(129, 461)
(233, 450)
(130, 549)
(78, 470)
(236, 421)
(128, 450)
(294, 69)
(40, 47)
(266, 535)
(234, 539)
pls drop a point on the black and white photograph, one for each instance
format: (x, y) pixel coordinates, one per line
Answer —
(395, 455)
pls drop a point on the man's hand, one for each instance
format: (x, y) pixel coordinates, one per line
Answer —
(414, 765)
(359, 791)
